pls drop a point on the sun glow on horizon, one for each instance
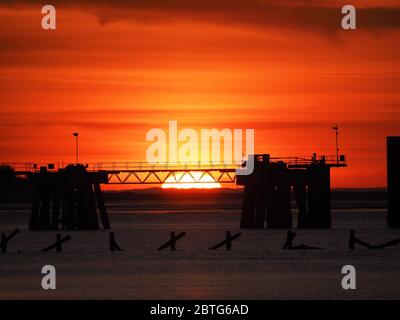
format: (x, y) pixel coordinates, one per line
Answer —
(190, 180)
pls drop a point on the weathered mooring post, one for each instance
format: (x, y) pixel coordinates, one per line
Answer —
(76, 192)
(393, 181)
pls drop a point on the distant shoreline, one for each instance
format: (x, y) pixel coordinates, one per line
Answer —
(367, 198)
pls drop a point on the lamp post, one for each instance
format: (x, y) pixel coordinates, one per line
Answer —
(75, 134)
(336, 128)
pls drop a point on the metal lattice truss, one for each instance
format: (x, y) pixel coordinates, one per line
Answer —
(170, 172)
(171, 176)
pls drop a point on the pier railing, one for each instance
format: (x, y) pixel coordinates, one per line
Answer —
(143, 166)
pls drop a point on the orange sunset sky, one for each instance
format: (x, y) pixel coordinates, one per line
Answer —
(115, 69)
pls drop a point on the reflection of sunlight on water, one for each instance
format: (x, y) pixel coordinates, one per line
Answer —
(188, 181)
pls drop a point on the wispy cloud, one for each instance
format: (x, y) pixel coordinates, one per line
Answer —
(312, 16)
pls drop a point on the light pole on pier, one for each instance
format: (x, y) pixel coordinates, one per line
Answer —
(75, 134)
(336, 128)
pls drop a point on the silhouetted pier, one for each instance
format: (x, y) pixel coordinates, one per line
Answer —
(69, 198)
(267, 192)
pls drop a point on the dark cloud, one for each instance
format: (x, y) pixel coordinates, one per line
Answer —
(302, 15)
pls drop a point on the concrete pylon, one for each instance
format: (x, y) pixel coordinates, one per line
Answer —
(393, 181)
(76, 192)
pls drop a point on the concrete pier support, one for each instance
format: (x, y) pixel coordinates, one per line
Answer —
(279, 214)
(393, 181)
(44, 213)
(102, 208)
(268, 190)
(266, 196)
(40, 213)
(85, 213)
(260, 208)
(73, 190)
(300, 191)
(55, 214)
(319, 197)
(248, 213)
(33, 221)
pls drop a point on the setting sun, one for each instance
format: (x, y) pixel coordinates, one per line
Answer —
(190, 180)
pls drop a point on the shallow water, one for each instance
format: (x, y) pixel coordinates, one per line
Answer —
(256, 268)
